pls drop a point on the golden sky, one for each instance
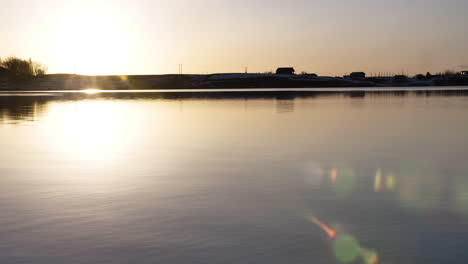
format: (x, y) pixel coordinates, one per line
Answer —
(328, 37)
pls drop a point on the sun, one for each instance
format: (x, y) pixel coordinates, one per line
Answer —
(94, 41)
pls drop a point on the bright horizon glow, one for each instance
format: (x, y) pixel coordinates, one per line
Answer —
(93, 39)
(123, 37)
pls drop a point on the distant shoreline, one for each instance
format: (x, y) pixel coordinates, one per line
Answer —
(63, 82)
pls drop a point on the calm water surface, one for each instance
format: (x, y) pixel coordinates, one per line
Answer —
(244, 178)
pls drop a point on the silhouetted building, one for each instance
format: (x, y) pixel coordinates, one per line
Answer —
(357, 75)
(286, 70)
(464, 73)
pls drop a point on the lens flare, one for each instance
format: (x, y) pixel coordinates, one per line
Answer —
(333, 175)
(378, 181)
(345, 181)
(391, 182)
(330, 232)
(346, 249)
(369, 256)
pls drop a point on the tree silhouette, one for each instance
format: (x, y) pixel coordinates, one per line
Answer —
(23, 69)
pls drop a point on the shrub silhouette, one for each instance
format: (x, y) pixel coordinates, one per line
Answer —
(23, 69)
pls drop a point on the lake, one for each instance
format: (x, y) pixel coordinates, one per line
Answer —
(305, 176)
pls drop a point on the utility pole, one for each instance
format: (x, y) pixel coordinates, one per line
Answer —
(181, 69)
(246, 70)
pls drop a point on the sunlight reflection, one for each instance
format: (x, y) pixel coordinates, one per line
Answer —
(91, 91)
(92, 130)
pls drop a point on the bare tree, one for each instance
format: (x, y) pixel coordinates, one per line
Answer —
(23, 69)
(39, 69)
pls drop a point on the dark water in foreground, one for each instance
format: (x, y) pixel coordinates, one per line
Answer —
(224, 178)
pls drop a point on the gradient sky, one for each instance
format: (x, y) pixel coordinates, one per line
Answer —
(328, 37)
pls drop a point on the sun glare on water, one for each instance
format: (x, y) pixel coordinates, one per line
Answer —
(91, 91)
(91, 130)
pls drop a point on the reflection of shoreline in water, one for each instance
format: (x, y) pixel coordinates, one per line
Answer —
(284, 105)
(236, 93)
(23, 106)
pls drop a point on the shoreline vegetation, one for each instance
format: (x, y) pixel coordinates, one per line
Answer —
(26, 75)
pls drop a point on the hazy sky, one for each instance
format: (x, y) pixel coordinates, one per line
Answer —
(328, 37)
